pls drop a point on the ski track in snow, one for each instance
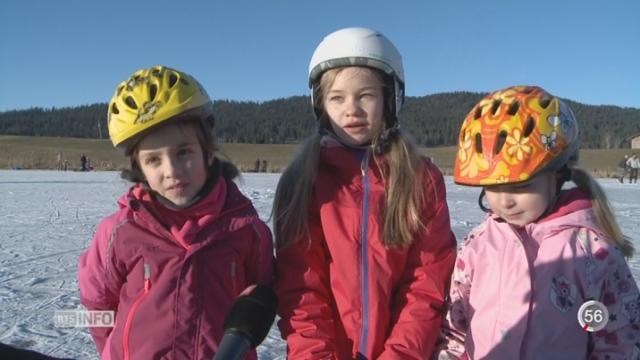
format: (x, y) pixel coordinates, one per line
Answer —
(48, 218)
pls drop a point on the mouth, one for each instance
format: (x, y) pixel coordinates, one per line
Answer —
(356, 126)
(514, 215)
(177, 187)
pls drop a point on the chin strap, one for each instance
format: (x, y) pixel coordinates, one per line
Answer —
(480, 198)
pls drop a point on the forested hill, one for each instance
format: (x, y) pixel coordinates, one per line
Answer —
(432, 120)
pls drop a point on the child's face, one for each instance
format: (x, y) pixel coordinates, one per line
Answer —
(172, 161)
(354, 103)
(521, 204)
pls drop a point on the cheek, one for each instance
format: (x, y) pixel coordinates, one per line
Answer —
(376, 113)
(492, 200)
(539, 204)
(333, 114)
(334, 125)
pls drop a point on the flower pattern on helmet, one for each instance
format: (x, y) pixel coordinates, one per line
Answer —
(518, 145)
(521, 127)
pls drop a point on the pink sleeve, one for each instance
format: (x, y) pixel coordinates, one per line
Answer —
(419, 301)
(451, 344)
(98, 280)
(620, 339)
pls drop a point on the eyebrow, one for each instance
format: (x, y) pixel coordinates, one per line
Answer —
(359, 90)
(155, 152)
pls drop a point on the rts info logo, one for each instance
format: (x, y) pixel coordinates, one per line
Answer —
(83, 318)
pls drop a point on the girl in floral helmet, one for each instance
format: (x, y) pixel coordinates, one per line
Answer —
(185, 242)
(364, 245)
(522, 276)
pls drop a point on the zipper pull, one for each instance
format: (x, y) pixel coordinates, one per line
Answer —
(147, 277)
(364, 164)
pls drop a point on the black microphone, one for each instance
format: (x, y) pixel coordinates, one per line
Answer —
(247, 323)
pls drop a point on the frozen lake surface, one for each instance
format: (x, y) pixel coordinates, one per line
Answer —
(47, 220)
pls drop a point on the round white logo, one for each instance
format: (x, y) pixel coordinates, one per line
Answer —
(593, 316)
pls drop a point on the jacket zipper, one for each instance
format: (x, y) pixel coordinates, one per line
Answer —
(134, 307)
(364, 276)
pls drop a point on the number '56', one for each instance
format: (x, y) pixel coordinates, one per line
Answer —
(593, 315)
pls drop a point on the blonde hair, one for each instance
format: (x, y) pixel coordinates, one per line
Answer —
(602, 209)
(399, 166)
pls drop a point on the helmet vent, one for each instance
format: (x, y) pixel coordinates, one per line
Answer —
(155, 72)
(502, 138)
(184, 82)
(173, 79)
(131, 102)
(478, 113)
(495, 106)
(463, 135)
(120, 89)
(528, 127)
(153, 90)
(513, 108)
(545, 101)
(479, 143)
(114, 109)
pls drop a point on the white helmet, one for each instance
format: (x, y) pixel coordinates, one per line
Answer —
(358, 47)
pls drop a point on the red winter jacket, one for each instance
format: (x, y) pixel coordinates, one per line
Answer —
(341, 300)
(171, 286)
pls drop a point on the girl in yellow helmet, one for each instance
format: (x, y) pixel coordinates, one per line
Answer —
(185, 242)
(544, 277)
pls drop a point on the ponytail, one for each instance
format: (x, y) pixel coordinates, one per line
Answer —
(603, 211)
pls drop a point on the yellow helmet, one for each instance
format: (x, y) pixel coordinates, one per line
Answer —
(150, 97)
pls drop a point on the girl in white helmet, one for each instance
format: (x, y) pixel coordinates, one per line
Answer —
(185, 242)
(364, 244)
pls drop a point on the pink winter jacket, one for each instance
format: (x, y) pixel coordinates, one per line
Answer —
(504, 306)
(171, 290)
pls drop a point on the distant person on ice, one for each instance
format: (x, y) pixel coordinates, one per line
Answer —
(542, 252)
(623, 168)
(83, 162)
(634, 166)
(185, 242)
(364, 244)
(59, 161)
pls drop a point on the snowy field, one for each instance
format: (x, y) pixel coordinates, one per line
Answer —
(47, 219)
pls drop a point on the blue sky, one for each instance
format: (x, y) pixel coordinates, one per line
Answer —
(69, 53)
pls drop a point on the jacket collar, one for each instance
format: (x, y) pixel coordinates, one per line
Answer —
(224, 205)
(573, 209)
(348, 160)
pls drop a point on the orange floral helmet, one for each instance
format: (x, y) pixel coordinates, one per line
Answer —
(513, 134)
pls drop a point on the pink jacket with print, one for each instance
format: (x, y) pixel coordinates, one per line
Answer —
(170, 300)
(501, 308)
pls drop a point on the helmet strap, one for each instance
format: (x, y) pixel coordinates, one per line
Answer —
(481, 204)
